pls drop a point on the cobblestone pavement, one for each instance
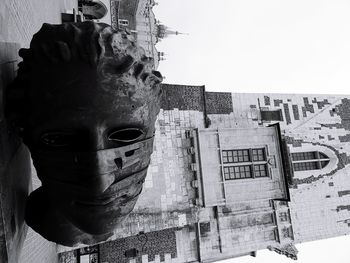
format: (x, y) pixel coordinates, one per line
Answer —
(19, 20)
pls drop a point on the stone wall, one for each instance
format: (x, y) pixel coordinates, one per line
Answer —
(127, 10)
(147, 245)
(316, 120)
(182, 97)
(167, 199)
(218, 102)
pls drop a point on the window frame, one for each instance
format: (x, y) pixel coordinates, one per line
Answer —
(123, 22)
(246, 166)
(302, 161)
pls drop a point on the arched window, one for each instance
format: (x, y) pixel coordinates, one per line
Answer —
(304, 161)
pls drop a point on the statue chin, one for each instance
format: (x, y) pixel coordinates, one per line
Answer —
(85, 102)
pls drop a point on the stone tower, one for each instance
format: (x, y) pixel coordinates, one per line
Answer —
(235, 173)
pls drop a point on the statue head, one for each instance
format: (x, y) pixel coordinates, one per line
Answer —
(85, 100)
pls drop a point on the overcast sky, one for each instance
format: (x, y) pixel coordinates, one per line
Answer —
(299, 46)
(258, 45)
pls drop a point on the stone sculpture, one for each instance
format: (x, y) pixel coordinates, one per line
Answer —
(85, 101)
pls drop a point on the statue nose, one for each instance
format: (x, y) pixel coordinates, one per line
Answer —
(95, 139)
(101, 183)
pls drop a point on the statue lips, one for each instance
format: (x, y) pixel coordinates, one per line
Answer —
(109, 214)
(108, 209)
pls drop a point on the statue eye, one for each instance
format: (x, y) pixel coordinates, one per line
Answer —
(126, 135)
(57, 139)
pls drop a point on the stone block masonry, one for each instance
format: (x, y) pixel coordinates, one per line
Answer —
(287, 113)
(267, 100)
(182, 97)
(195, 98)
(308, 107)
(296, 112)
(218, 102)
(20, 19)
(157, 243)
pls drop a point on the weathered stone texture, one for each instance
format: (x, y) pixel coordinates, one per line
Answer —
(150, 244)
(127, 10)
(296, 112)
(294, 142)
(182, 97)
(308, 107)
(343, 207)
(345, 138)
(304, 112)
(320, 104)
(277, 102)
(342, 193)
(167, 198)
(218, 102)
(267, 100)
(37, 249)
(68, 257)
(287, 113)
(344, 113)
(20, 19)
(330, 138)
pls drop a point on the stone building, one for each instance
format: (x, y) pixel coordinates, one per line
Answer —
(235, 173)
(138, 17)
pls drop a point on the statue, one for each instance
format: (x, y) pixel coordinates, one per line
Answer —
(85, 102)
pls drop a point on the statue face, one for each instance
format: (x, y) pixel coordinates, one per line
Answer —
(74, 138)
(89, 124)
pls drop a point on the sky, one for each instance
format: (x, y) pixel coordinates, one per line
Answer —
(262, 46)
(258, 45)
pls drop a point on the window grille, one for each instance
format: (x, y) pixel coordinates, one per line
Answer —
(304, 156)
(244, 163)
(235, 156)
(305, 161)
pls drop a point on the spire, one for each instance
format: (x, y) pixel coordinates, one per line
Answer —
(164, 31)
